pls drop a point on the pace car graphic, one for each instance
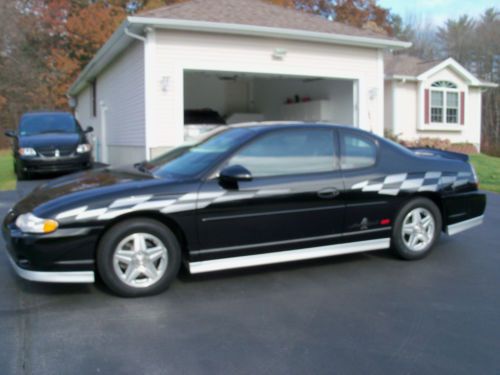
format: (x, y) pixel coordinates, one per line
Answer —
(413, 182)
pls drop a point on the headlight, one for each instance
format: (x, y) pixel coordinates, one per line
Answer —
(27, 151)
(29, 223)
(83, 148)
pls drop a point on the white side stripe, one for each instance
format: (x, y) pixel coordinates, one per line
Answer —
(288, 256)
(70, 213)
(130, 201)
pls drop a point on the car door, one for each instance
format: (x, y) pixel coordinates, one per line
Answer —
(368, 208)
(294, 199)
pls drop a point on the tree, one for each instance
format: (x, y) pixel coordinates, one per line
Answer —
(457, 37)
(364, 14)
(421, 32)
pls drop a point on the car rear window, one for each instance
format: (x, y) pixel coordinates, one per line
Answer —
(357, 152)
(47, 123)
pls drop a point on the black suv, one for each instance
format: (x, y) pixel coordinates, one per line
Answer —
(50, 142)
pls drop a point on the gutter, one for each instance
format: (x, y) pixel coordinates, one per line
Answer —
(132, 35)
(264, 31)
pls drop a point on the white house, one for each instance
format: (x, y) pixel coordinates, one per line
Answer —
(436, 99)
(242, 58)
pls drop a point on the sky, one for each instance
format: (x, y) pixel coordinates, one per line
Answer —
(439, 10)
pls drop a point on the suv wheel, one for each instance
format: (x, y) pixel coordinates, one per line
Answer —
(138, 257)
(417, 227)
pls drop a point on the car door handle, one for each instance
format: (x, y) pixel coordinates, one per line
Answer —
(328, 193)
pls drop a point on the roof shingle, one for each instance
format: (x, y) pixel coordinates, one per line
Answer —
(256, 13)
(406, 65)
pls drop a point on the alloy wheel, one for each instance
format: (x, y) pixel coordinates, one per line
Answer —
(140, 260)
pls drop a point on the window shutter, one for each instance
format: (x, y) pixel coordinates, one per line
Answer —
(462, 107)
(426, 106)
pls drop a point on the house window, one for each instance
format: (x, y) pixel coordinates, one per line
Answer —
(444, 103)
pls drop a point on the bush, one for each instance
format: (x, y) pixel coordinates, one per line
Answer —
(438, 143)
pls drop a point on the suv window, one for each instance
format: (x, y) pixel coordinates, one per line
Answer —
(357, 152)
(287, 152)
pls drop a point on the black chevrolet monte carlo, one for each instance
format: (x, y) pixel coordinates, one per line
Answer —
(246, 195)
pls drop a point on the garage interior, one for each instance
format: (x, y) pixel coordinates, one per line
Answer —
(246, 97)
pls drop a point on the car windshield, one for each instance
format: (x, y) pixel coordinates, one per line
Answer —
(191, 160)
(47, 123)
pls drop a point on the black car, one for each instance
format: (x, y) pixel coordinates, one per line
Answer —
(247, 195)
(50, 142)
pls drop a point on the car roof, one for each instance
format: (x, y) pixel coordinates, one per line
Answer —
(266, 125)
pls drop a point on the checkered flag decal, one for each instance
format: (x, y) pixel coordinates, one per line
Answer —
(413, 182)
(166, 204)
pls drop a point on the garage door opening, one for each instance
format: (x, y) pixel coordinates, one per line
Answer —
(229, 97)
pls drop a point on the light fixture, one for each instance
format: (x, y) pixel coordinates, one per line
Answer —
(279, 53)
(164, 83)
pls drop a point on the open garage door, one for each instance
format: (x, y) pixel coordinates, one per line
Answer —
(212, 98)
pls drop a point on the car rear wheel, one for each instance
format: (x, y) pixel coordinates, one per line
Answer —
(417, 228)
(138, 257)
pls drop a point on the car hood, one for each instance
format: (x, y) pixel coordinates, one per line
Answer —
(50, 140)
(84, 188)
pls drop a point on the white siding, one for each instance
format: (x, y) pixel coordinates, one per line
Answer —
(121, 106)
(178, 51)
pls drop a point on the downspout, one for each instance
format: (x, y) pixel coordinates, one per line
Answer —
(144, 42)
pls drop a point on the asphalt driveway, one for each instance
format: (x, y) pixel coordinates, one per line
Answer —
(358, 314)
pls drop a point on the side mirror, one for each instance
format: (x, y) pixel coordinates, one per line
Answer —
(230, 176)
(89, 129)
(11, 134)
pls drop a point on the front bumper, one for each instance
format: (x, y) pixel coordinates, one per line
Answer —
(65, 256)
(53, 277)
(39, 164)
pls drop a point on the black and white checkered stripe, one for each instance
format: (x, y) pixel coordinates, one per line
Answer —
(413, 182)
(166, 205)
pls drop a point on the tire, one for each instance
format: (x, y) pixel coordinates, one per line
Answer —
(118, 251)
(413, 238)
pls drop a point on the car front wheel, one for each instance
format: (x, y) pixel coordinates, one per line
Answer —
(417, 228)
(138, 257)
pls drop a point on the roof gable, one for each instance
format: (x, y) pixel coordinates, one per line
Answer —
(455, 67)
(410, 67)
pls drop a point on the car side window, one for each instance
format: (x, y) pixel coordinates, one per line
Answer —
(357, 152)
(289, 152)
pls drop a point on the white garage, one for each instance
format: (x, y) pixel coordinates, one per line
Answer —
(245, 60)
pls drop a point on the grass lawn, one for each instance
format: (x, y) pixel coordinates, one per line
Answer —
(7, 176)
(488, 170)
